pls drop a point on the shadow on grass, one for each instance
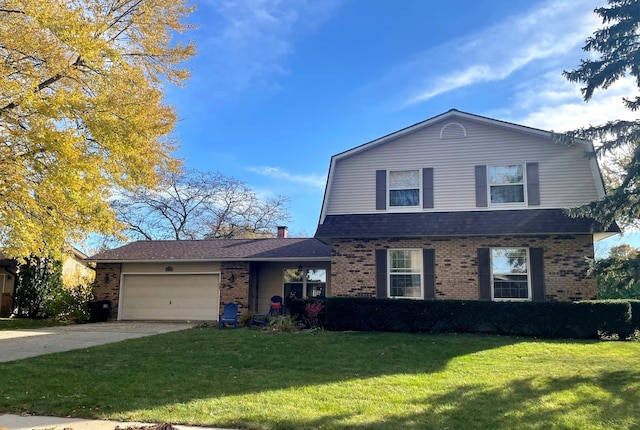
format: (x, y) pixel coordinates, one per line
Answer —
(608, 401)
(204, 364)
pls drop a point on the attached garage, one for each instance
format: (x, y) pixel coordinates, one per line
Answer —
(190, 280)
(170, 296)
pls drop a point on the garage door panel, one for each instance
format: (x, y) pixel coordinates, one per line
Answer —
(171, 297)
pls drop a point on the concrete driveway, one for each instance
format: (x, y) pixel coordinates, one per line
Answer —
(19, 344)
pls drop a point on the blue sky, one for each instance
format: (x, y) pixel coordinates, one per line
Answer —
(279, 86)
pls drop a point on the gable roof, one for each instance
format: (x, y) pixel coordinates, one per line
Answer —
(452, 114)
(272, 249)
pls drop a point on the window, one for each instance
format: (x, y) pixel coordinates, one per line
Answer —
(305, 283)
(404, 188)
(510, 273)
(506, 184)
(405, 273)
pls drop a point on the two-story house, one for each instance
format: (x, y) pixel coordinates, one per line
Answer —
(456, 207)
(462, 207)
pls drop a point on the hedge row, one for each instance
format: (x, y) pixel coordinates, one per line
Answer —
(582, 320)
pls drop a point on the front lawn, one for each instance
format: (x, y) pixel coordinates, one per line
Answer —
(251, 379)
(25, 323)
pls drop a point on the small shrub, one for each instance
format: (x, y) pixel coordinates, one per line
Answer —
(245, 318)
(70, 304)
(313, 311)
(284, 324)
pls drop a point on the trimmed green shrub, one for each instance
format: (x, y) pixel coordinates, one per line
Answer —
(583, 320)
(70, 304)
(635, 315)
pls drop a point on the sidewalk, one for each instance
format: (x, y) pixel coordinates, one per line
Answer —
(18, 422)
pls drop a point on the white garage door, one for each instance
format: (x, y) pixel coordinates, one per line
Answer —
(170, 297)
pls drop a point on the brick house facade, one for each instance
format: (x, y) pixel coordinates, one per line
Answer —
(353, 264)
(462, 207)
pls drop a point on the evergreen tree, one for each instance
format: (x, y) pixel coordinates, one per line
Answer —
(38, 280)
(617, 45)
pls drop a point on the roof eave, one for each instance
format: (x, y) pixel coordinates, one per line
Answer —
(210, 260)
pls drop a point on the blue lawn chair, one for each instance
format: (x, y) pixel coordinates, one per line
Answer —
(229, 315)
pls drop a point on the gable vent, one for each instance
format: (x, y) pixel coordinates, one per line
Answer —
(453, 130)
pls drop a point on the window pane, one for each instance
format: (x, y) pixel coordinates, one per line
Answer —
(507, 194)
(404, 197)
(292, 288)
(293, 275)
(509, 260)
(405, 286)
(316, 291)
(510, 287)
(510, 273)
(404, 179)
(499, 175)
(316, 275)
(405, 261)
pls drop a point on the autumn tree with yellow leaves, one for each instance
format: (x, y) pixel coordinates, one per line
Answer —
(82, 112)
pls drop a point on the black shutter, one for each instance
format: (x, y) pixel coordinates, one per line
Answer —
(481, 186)
(427, 187)
(484, 274)
(381, 273)
(537, 274)
(381, 189)
(533, 184)
(429, 265)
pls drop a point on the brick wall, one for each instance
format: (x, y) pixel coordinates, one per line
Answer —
(234, 284)
(107, 285)
(353, 264)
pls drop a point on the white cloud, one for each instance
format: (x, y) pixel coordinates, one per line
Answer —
(552, 103)
(545, 33)
(315, 181)
(253, 38)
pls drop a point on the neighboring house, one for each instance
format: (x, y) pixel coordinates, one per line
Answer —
(456, 207)
(462, 207)
(193, 279)
(8, 269)
(75, 268)
(75, 271)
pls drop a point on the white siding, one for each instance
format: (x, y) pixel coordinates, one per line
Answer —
(566, 178)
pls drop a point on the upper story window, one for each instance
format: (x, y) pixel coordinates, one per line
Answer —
(404, 188)
(506, 184)
(510, 274)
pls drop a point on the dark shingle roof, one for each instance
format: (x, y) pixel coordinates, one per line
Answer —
(219, 249)
(530, 221)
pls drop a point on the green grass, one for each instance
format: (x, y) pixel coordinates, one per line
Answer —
(251, 379)
(25, 323)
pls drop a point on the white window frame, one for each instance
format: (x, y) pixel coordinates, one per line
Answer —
(523, 183)
(528, 273)
(420, 272)
(389, 189)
